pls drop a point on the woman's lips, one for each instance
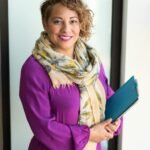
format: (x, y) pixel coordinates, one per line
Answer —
(65, 37)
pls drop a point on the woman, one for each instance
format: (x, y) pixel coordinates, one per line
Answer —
(63, 86)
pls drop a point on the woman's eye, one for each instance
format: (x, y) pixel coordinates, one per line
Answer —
(73, 21)
(57, 21)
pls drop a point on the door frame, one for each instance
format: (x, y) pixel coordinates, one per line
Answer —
(116, 46)
(4, 75)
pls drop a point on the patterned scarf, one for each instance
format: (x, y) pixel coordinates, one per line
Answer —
(83, 71)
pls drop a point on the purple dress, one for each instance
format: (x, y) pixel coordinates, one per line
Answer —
(53, 113)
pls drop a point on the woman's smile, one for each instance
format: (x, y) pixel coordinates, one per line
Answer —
(65, 38)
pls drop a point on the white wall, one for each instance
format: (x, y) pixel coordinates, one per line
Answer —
(136, 61)
(24, 28)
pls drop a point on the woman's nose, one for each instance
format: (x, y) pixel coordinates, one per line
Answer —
(66, 27)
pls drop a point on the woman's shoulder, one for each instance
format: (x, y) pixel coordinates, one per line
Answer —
(31, 64)
(32, 68)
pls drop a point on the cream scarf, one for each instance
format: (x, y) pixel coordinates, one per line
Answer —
(83, 71)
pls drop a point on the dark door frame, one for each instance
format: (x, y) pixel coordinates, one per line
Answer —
(4, 76)
(117, 11)
(116, 42)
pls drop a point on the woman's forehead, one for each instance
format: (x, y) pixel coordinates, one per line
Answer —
(61, 11)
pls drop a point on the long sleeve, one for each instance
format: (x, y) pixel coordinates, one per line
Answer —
(36, 102)
(109, 92)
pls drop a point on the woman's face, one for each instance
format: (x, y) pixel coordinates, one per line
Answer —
(63, 27)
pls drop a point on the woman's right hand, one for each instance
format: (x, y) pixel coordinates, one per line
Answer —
(99, 133)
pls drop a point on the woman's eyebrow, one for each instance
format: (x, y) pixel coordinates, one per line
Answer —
(74, 17)
(56, 17)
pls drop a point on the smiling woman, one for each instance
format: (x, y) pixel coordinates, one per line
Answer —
(22, 34)
(63, 86)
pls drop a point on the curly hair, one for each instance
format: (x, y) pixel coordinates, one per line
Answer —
(84, 13)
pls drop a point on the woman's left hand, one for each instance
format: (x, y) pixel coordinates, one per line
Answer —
(113, 126)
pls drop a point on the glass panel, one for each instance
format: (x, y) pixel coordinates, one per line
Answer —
(24, 28)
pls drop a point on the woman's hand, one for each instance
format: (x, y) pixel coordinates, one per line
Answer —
(101, 131)
(113, 127)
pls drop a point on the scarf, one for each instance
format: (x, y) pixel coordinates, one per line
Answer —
(83, 71)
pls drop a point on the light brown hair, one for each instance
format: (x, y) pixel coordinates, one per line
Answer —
(84, 13)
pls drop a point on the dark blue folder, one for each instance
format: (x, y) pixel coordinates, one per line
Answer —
(122, 99)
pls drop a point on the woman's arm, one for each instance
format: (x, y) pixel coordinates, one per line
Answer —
(105, 130)
(109, 92)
